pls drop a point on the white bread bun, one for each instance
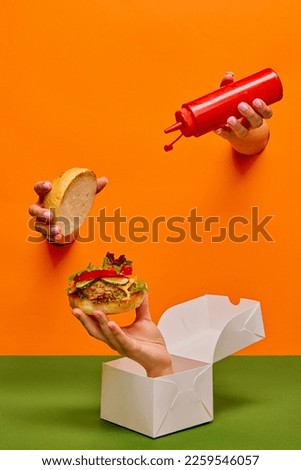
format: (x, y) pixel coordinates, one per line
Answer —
(109, 308)
(71, 198)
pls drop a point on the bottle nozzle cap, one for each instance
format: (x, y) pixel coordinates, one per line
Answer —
(175, 127)
(169, 147)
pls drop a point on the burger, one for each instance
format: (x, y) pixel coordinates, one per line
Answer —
(111, 288)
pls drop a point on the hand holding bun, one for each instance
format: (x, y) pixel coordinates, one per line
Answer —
(71, 199)
(59, 208)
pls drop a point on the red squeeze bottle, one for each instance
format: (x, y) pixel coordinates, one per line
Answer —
(211, 111)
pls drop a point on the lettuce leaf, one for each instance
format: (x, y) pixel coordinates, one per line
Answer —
(89, 268)
(138, 286)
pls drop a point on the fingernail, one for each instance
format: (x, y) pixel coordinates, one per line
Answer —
(232, 121)
(58, 237)
(54, 230)
(258, 103)
(218, 131)
(230, 73)
(46, 185)
(47, 214)
(243, 107)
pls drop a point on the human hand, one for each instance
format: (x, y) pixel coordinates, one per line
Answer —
(140, 341)
(250, 134)
(43, 216)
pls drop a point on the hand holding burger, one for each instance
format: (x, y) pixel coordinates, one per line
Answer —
(141, 341)
(110, 289)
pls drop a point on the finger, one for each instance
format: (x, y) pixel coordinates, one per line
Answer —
(263, 109)
(42, 188)
(143, 311)
(225, 132)
(37, 211)
(106, 331)
(101, 183)
(125, 344)
(248, 112)
(89, 324)
(50, 232)
(227, 79)
(53, 229)
(237, 128)
(58, 238)
(42, 226)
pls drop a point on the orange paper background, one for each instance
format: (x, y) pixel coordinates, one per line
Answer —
(94, 83)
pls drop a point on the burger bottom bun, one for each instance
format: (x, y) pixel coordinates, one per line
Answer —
(109, 308)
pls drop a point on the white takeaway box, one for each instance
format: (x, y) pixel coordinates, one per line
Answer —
(197, 334)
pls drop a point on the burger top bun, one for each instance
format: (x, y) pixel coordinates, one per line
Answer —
(71, 198)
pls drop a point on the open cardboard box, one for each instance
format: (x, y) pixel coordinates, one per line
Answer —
(197, 333)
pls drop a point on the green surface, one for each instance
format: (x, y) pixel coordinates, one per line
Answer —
(53, 403)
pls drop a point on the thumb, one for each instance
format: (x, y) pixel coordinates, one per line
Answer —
(227, 79)
(143, 312)
(101, 183)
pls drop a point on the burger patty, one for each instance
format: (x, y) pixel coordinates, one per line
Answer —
(100, 291)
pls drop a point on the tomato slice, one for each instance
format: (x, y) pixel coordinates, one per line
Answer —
(99, 273)
(126, 270)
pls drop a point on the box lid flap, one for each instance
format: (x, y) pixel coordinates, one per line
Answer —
(210, 327)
